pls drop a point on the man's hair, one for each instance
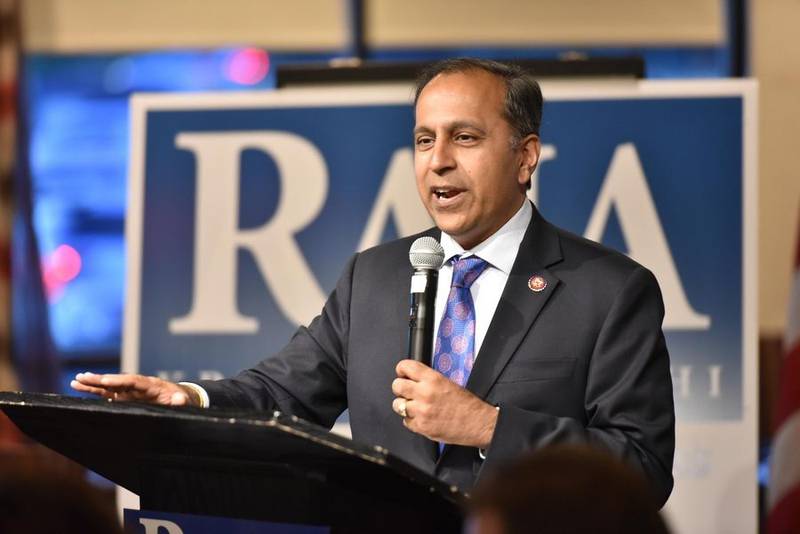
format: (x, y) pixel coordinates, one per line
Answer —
(523, 103)
(568, 488)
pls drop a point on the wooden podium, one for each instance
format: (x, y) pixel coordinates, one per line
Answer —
(269, 467)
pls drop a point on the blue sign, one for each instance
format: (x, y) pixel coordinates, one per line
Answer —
(244, 209)
(151, 522)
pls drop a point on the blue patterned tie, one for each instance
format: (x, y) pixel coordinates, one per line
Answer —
(454, 352)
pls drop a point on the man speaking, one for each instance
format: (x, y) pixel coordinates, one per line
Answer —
(541, 336)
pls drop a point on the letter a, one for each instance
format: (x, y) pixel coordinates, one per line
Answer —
(625, 187)
(398, 195)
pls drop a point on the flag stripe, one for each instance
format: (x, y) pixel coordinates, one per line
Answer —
(783, 498)
(9, 50)
(791, 337)
(797, 249)
(785, 461)
(785, 517)
(789, 394)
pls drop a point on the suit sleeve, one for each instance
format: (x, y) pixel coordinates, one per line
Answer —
(307, 378)
(628, 402)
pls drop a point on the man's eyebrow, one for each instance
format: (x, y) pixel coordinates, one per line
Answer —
(455, 125)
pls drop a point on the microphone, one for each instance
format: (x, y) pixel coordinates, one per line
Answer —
(426, 256)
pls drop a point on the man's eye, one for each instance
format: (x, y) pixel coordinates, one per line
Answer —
(464, 137)
(424, 141)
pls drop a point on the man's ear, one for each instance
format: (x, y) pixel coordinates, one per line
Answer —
(529, 149)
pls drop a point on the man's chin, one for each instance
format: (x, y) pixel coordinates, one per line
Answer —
(449, 224)
(460, 232)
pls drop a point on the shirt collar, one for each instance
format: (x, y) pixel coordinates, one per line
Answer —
(499, 249)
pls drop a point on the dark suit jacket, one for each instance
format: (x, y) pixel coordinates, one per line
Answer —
(583, 360)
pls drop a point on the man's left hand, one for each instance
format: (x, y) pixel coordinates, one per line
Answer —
(440, 409)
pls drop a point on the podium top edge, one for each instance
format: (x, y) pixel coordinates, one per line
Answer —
(45, 416)
(276, 419)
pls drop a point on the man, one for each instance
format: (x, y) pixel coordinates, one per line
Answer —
(564, 335)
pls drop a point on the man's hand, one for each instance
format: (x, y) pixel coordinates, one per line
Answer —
(135, 388)
(440, 409)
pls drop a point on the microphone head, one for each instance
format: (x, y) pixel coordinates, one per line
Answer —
(426, 253)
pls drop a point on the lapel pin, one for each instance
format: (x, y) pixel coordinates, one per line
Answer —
(537, 283)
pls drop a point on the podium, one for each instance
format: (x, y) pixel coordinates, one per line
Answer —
(270, 467)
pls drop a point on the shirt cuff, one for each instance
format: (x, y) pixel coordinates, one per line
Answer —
(482, 452)
(205, 402)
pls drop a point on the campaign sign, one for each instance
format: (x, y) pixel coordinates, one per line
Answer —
(244, 208)
(154, 522)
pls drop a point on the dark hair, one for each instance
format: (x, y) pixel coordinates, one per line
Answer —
(523, 102)
(569, 488)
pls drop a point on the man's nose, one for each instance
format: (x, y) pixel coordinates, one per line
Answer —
(442, 159)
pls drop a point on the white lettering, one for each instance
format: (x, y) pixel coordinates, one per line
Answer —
(304, 187)
(179, 375)
(692, 463)
(625, 188)
(176, 375)
(152, 526)
(398, 196)
(714, 374)
(209, 374)
(548, 153)
(682, 382)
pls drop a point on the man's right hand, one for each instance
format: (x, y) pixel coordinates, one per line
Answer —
(140, 388)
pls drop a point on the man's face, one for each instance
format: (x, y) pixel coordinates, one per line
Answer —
(469, 176)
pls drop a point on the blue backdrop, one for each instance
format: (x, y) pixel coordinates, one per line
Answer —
(690, 150)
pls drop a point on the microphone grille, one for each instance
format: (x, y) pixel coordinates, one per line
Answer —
(426, 253)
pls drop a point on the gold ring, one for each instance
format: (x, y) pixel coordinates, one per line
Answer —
(401, 409)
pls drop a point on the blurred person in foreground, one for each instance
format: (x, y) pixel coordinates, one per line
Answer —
(542, 336)
(42, 492)
(565, 488)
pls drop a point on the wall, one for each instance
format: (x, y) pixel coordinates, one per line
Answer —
(567, 22)
(100, 25)
(776, 63)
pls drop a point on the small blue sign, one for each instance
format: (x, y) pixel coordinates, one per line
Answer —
(151, 522)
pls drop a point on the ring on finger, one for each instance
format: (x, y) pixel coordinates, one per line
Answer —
(401, 408)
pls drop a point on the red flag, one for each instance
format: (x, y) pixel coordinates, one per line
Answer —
(783, 499)
(9, 54)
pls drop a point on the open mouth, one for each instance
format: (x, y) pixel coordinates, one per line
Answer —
(445, 193)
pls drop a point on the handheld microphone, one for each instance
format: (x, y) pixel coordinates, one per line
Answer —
(426, 256)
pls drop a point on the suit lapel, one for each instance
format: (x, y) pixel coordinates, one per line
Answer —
(519, 304)
(517, 310)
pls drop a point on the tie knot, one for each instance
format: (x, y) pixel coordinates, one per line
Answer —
(467, 270)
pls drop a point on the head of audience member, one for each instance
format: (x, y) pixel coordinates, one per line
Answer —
(42, 493)
(565, 488)
(476, 144)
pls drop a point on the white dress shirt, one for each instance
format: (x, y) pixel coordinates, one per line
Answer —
(499, 250)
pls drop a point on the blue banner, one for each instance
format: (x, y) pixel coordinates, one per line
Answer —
(671, 168)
